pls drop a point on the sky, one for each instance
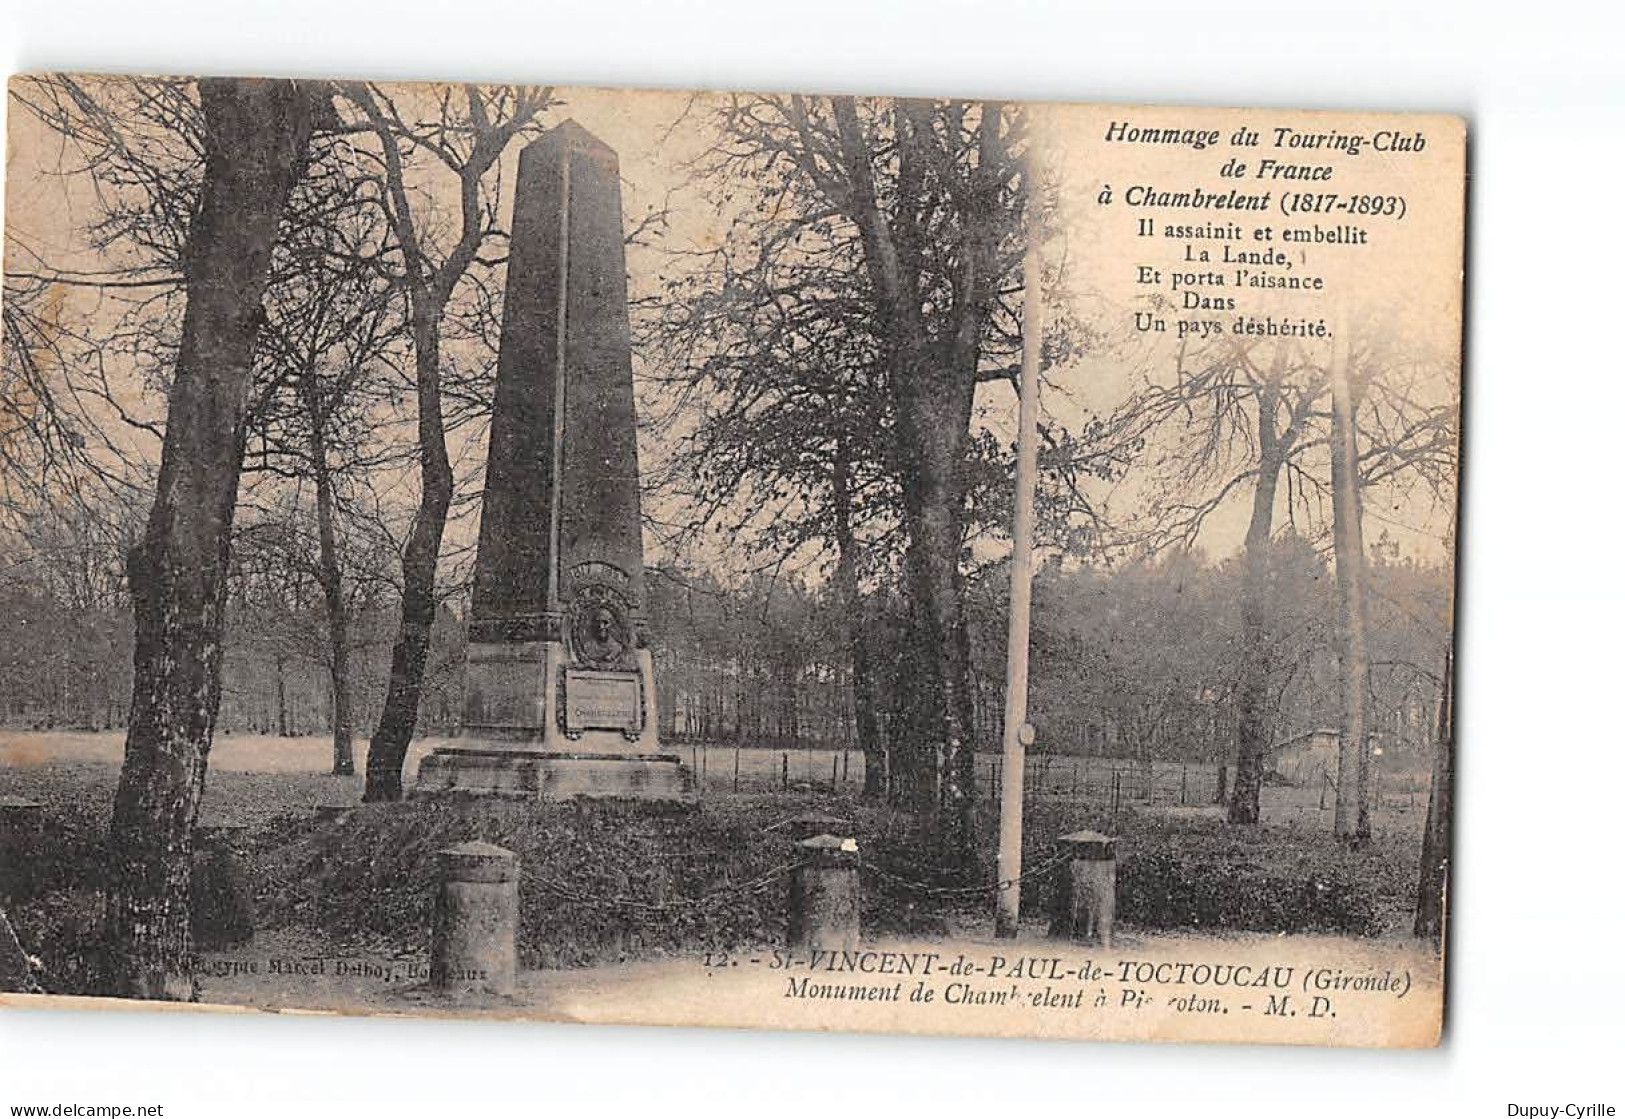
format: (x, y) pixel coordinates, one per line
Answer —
(657, 134)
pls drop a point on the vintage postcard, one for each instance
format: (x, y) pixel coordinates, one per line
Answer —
(726, 559)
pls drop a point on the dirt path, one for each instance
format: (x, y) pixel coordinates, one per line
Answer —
(1257, 987)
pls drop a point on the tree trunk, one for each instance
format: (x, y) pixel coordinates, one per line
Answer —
(1252, 686)
(386, 753)
(846, 586)
(258, 134)
(330, 574)
(281, 695)
(741, 685)
(428, 287)
(790, 700)
(936, 654)
(1432, 886)
(934, 359)
(1352, 818)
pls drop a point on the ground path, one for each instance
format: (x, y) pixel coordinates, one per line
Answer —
(1032, 987)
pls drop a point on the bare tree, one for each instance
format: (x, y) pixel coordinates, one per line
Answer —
(1238, 420)
(79, 338)
(935, 367)
(1231, 419)
(334, 327)
(1352, 818)
(780, 425)
(139, 142)
(256, 145)
(465, 132)
(923, 202)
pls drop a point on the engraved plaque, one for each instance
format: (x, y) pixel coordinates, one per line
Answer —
(602, 701)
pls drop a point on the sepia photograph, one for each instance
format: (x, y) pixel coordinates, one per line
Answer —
(881, 558)
(728, 559)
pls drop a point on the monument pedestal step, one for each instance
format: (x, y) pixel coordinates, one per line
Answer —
(538, 775)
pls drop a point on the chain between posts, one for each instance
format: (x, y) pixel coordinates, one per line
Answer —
(968, 891)
(762, 881)
(741, 889)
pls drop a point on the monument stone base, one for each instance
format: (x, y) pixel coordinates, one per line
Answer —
(551, 776)
(541, 728)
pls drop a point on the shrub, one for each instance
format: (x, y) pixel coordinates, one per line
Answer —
(61, 931)
(1169, 890)
(600, 881)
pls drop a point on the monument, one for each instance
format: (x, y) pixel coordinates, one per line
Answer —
(560, 693)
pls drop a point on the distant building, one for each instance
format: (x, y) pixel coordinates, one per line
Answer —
(1307, 759)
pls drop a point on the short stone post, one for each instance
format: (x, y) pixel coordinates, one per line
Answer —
(21, 818)
(222, 904)
(476, 921)
(824, 894)
(1085, 900)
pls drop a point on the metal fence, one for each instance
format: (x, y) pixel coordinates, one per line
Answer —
(724, 769)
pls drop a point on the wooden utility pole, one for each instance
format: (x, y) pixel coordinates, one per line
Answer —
(1017, 734)
(1352, 818)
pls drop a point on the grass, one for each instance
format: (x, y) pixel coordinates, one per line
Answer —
(607, 882)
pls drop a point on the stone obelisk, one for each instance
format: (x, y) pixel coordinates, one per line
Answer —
(560, 693)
